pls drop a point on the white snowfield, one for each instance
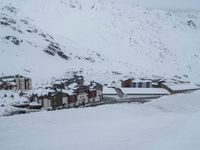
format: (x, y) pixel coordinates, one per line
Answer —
(169, 123)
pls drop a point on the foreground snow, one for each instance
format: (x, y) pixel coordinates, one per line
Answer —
(171, 122)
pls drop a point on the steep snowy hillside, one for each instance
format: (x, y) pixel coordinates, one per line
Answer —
(44, 39)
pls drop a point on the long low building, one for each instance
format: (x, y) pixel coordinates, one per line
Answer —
(180, 88)
(133, 92)
(110, 93)
(144, 92)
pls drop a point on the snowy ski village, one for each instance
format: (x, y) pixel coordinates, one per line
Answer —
(18, 95)
(99, 74)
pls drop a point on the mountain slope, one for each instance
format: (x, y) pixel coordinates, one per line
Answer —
(98, 37)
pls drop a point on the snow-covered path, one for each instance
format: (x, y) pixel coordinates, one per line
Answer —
(167, 123)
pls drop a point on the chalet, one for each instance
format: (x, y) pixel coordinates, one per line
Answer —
(50, 98)
(95, 92)
(72, 100)
(16, 82)
(82, 94)
(143, 92)
(130, 83)
(92, 94)
(127, 83)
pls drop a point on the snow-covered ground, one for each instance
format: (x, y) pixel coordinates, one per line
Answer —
(170, 122)
(8, 99)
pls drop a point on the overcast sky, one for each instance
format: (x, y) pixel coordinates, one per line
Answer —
(169, 4)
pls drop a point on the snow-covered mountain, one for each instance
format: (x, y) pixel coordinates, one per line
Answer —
(102, 39)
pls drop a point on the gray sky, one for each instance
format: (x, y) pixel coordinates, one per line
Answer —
(169, 4)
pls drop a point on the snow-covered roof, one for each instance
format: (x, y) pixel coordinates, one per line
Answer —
(184, 86)
(144, 91)
(58, 82)
(94, 84)
(8, 80)
(92, 89)
(69, 92)
(126, 78)
(143, 81)
(136, 80)
(42, 91)
(12, 83)
(111, 84)
(34, 104)
(73, 85)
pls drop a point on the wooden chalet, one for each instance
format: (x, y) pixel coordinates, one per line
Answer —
(95, 92)
(72, 99)
(82, 95)
(92, 94)
(126, 83)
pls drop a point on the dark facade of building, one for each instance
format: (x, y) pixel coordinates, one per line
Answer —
(72, 100)
(127, 83)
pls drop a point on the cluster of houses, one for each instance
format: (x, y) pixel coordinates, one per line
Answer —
(16, 82)
(73, 92)
(73, 95)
